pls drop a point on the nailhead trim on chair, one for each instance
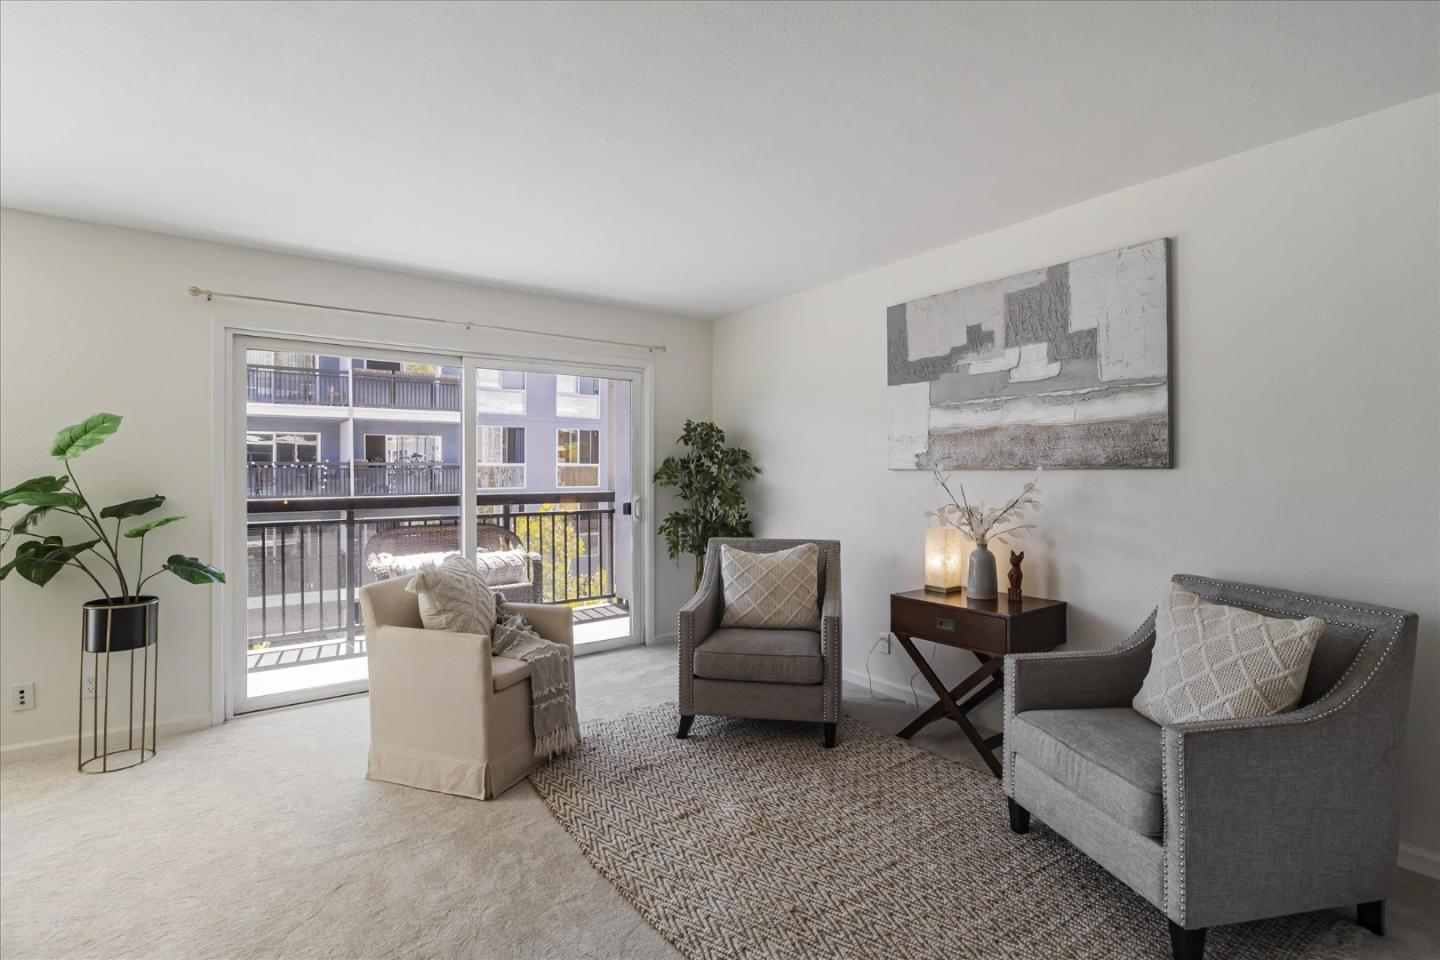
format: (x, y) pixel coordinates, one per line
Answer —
(1293, 718)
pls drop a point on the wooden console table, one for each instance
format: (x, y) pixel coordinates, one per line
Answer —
(987, 628)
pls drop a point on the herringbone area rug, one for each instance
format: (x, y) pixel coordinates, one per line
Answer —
(751, 841)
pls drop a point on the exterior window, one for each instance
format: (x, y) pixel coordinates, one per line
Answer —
(393, 448)
(577, 397)
(577, 458)
(280, 358)
(282, 447)
(500, 391)
(501, 457)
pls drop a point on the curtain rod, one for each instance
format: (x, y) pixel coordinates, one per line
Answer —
(212, 294)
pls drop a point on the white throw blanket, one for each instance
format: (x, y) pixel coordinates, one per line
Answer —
(453, 595)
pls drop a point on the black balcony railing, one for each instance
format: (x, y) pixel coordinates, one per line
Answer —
(287, 480)
(303, 572)
(403, 391)
(302, 385)
(405, 479)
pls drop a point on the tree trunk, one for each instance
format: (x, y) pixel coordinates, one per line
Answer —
(699, 569)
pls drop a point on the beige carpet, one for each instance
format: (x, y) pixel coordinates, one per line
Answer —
(262, 838)
(750, 840)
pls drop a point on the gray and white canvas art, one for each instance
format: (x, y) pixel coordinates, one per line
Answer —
(1067, 366)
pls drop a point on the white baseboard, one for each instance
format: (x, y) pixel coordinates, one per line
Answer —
(1419, 860)
(55, 746)
(664, 638)
(891, 689)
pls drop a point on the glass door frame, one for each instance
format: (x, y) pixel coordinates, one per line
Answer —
(229, 615)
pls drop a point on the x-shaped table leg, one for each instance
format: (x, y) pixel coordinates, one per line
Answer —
(947, 705)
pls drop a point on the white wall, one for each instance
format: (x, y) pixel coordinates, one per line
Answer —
(1306, 343)
(97, 318)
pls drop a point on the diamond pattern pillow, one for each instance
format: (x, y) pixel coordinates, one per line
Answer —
(1213, 662)
(772, 591)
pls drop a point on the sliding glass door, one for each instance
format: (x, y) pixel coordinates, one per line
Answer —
(357, 465)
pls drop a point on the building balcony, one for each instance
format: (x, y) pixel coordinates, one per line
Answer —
(406, 478)
(376, 389)
(289, 481)
(297, 385)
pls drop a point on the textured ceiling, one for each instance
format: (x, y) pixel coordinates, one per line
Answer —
(690, 157)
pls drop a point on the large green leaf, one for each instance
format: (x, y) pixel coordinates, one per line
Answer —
(192, 570)
(40, 498)
(34, 485)
(39, 560)
(145, 528)
(5, 570)
(133, 508)
(75, 440)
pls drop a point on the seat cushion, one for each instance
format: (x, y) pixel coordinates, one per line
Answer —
(507, 671)
(1110, 757)
(761, 656)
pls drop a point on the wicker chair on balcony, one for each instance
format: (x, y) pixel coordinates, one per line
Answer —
(512, 571)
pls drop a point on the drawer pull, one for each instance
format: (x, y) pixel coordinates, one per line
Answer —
(944, 623)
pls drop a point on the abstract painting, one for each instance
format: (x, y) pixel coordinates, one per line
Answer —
(1066, 366)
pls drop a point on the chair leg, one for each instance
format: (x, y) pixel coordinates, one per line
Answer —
(829, 735)
(1019, 817)
(1371, 916)
(684, 730)
(1187, 944)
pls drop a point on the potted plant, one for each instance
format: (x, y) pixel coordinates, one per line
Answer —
(122, 617)
(708, 479)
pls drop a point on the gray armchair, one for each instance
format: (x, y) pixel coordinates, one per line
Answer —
(1225, 821)
(765, 674)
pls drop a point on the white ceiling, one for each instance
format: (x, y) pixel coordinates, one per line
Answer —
(692, 157)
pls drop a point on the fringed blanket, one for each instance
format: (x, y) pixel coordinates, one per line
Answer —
(552, 701)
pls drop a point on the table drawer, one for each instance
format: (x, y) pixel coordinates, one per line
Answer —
(956, 628)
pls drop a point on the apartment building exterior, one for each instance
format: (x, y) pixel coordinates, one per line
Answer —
(331, 426)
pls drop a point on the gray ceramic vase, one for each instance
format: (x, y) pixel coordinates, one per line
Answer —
(981, 583)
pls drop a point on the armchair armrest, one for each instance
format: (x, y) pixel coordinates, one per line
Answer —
(554, 622)
(830, 639)
(424, 680)
(697, 619)
(1307, 801)
(1080, 679)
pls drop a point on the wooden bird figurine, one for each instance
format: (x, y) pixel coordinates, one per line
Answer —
(1015, 575)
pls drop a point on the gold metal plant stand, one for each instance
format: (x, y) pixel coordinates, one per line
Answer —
(102, 759)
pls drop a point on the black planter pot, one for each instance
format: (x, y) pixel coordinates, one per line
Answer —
(129, 624)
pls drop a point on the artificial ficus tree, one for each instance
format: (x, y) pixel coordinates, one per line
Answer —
(707, 477)
(38, 557)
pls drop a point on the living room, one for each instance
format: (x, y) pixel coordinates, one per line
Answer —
(1089, 351)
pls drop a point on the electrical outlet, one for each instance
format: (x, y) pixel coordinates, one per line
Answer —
(22, 696)
(90, 687)
(885, 644)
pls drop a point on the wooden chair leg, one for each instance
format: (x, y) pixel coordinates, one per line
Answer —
(1019, 817)
(684, 730)
(829, 735)
(1371, 916)
(1187, 944)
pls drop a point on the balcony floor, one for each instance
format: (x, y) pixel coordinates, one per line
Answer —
(323, 663)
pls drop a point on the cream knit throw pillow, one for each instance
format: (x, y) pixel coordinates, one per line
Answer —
(454, 596)
(775, 591)
(1213, 662)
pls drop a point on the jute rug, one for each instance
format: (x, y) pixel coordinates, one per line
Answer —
(750, 840)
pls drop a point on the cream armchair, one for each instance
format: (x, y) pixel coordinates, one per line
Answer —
(445, 715)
